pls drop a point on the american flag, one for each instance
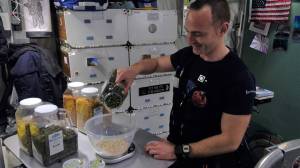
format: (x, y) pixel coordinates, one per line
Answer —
(270, 10)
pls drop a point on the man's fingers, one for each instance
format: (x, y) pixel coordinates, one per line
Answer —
(147, 148)
(157, 157)
(119, 77)
(152, 152)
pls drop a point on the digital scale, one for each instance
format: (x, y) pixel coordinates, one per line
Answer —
(111, 160)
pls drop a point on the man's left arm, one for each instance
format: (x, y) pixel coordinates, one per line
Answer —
(233, 128)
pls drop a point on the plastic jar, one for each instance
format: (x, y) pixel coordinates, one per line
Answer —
(53, 137)
(69, 99)
(23, 117)
(113, 94)
(87, 106)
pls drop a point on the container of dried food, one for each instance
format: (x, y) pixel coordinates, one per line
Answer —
(23, 117)
(111, 134)
(69, 99)
(87, 106)
(113, 94)
(53, 137)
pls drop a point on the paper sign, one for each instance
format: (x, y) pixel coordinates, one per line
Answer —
(260, 43)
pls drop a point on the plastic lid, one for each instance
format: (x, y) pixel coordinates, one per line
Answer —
(75, 163)
(46, 110)
(74, 85)
(30, 101)
(90, 91)
(97, 163)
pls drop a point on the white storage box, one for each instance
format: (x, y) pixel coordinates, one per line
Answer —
(154, 120)
(93, 64)
(152, 27)
(151, 92)
(137, 53)
(93, 28)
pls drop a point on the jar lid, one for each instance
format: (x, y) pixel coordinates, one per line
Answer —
(75, 163)
(30, 101)
(46, 110)
(74, 85)
(89, 91)
(97, 163)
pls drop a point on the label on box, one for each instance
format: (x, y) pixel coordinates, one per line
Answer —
(154, 89)
(56, 143)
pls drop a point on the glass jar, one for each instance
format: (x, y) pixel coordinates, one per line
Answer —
(53, 137)
(23, 117)
(87, 106)
(113, 94)
(69, 99)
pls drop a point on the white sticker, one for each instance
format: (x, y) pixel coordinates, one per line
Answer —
(56, 143)
(175, 82)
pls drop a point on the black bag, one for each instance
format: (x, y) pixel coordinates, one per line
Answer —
(3, 44)
(35, 73)
(4, 105)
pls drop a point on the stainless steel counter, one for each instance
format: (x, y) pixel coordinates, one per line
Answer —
(85, 150)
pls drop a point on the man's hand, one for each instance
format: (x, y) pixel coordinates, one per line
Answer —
(162, 150)
(126, 77)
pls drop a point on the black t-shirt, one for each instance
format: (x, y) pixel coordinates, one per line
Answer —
(205, 91)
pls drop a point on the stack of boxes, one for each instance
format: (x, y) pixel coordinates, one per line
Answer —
(96, 42)
(152, 34)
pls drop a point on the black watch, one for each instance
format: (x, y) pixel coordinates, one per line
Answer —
(182, 151)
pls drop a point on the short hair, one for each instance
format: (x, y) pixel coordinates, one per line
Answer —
(219, 9)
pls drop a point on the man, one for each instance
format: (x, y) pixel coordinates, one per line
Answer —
(213, 92)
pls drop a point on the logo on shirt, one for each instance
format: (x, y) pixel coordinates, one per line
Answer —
(202, 78)
(199, 99)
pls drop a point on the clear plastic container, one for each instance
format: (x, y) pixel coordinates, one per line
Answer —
(113, 94)
(23, 117)
(111, 134)
(87, 106)
(76, 163)
(69, 99)
(53, 137)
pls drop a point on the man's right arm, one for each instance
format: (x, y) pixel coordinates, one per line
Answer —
(146, 66)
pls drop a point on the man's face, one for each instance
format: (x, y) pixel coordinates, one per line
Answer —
(203, 34)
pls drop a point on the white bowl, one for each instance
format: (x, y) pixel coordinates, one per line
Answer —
(111, 134)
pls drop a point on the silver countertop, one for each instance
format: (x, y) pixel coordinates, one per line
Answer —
(85, 150)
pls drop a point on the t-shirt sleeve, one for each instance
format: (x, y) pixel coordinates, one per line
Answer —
(177, 59)
(239, 97)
